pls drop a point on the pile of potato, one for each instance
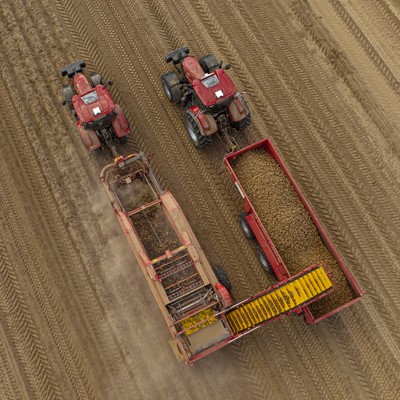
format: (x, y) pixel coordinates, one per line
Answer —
(288, 223)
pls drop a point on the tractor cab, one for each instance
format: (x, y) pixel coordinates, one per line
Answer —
(94, 109)
(215, 91)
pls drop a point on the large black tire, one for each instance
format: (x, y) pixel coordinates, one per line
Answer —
(68, 93)
(209, 63)
(172, 87)
(243, 124)
(245, 226)
(264, 261)
(222, 277)
(96, 79)
(123, 139)
(193, 130)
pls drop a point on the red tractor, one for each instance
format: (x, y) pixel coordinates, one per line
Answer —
(209, 97)
(99, 121)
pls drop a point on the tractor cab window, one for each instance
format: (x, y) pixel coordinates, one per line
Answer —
(90, 98)
(210, 81)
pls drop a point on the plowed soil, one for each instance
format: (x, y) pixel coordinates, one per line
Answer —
(77, 319)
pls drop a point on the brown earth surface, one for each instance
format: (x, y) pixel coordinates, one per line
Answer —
(77, 320)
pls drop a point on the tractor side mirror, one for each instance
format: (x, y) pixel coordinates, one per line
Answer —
(227, 66)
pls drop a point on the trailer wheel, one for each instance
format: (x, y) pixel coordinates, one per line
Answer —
(264, 261)
(245, 226)
(193, 130)
(172, 87)
(222, 277)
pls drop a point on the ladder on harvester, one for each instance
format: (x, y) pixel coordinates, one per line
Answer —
(287, 296)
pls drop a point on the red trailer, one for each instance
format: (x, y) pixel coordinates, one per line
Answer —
(192, 296)
(268, 253)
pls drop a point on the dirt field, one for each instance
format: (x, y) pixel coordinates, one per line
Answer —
(77, 318)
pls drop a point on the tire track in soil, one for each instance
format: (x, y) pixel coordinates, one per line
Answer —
(81, 374)
(11, 385)
(382, 62)
(39, 380)
(83, 242)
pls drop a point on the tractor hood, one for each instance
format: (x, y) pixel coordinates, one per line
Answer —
(214, 87)
(92, 105)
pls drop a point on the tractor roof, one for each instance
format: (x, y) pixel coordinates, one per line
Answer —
(93, 104)
(213, 88)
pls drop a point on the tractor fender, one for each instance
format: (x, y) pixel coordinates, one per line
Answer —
(224, 294)
(89, 138)
(120, 124)
(208, 125)
(238, 109)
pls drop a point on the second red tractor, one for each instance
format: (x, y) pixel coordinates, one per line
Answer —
(99, 121)
(211, 103)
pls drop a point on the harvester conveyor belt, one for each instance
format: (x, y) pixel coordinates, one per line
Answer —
(290, 295)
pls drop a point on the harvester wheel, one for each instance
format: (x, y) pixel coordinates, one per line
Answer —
(245, 226)
(172, 87)
(209, 63)
(96, 79)
(222, 277)
(264, 261)
(123, 139)
(193, 130)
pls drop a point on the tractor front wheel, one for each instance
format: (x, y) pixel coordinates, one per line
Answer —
(172, 87)
(193, 130)
(209, 63)
(96, 79)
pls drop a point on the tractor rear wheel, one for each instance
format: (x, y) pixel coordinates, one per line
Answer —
(245, 226)
(193, 130)
(222, 277)
(209, 63)
(243, 124)
(264, 260)
(123, 139)
(172, 87)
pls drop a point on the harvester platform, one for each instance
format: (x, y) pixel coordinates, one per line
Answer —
(280, 299)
